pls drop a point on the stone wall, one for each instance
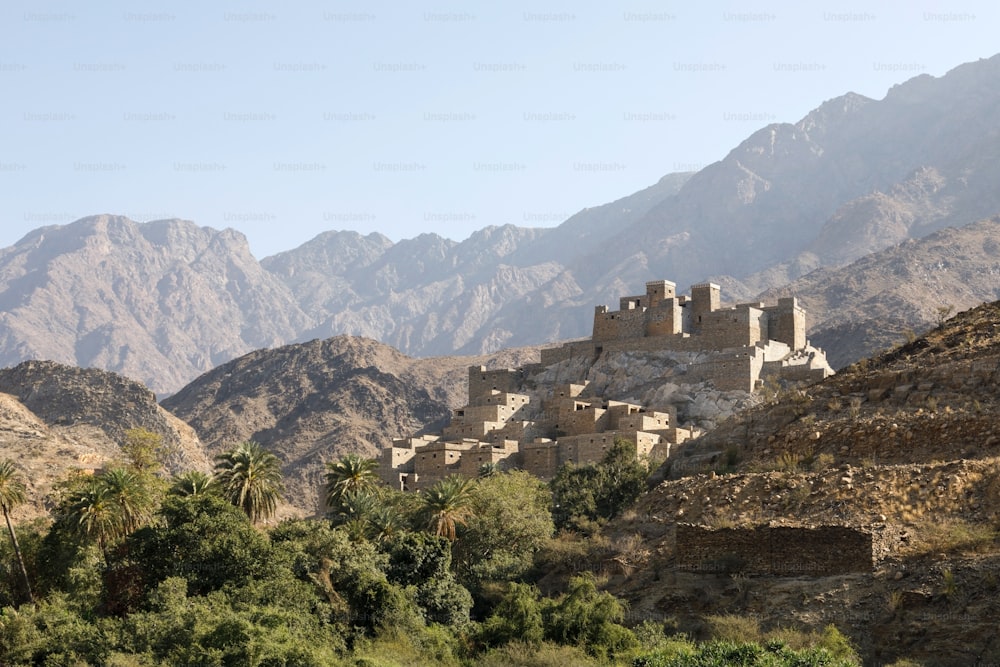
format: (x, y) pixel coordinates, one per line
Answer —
(787, 322)
(592, 447)
(775, 550)
(731, 372)
(733, 327)
(554, 355)
(619, 324)
(482, 381)
(541, 459)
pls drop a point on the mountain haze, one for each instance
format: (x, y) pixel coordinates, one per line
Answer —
(165, 301)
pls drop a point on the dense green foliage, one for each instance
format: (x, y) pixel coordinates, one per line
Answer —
(135, 572)
(597, 492)
(249, 476)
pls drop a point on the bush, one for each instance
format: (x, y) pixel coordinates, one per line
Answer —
(600, 491)
(516, 618)
(588, 618)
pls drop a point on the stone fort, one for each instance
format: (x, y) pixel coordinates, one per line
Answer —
(736, 348)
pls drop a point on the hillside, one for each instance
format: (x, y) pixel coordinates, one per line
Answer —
(873, 303)
(311, 403)
(904, 444)
(164, 301)
(55, 419)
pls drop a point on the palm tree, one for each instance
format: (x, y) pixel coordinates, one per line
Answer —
(385, 523)
(93, 511)
(130, 493)
(190, 483)
(355, 512)
(249, 477)
(351, 473)
(12, 494)
(447, 505)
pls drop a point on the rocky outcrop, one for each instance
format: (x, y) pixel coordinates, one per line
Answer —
(878, 301)
(160, 302)
(652, 379)
(55, 419)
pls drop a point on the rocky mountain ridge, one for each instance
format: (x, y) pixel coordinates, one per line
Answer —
(165, 301)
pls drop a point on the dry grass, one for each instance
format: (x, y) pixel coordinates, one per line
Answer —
(953, 536)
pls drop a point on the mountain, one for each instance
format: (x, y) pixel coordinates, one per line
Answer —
(55, 419)
(165, 301)
(160, 302)
(879, 300)
(313, 402)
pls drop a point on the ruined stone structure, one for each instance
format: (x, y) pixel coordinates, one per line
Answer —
(776, 550)
(745, 342)
(735, 348)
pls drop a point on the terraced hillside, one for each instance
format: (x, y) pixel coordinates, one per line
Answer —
(904, 446)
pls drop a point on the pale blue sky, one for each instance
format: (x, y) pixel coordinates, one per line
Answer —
(286, 119)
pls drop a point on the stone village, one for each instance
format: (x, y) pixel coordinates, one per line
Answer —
(501, 426)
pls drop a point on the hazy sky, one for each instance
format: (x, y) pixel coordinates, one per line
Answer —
(285, 119)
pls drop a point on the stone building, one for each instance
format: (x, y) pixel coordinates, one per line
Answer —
(744, 343)
(737, 347)
(505, 429)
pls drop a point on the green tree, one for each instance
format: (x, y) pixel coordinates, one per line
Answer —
(385, 523)
(510, 522)
(249, 477)
(12, 494)
(417, 557)
(145, 450)
(130, 495)
(589, 618)
(447, 505)
(355, 512)
(190, 483)
(350, 474)
(517, 617)
(207, 541)
(624, 479)
(598, 491)
(92, 512)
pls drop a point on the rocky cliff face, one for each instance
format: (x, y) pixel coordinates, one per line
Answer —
(56, 418)
(878, 301)
(160, 302)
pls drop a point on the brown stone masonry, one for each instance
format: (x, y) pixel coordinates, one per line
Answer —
(775, 550)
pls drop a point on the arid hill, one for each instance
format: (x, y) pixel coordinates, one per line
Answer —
(874, 303)
(56, 418)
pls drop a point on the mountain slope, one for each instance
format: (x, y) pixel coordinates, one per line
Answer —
(165, 301)
(904, 445)
(876, 301)
(159, 302)
(56, 418)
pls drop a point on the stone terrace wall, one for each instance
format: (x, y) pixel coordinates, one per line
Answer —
(774, 550)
